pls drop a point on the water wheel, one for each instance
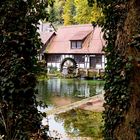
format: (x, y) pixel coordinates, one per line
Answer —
(68, 66)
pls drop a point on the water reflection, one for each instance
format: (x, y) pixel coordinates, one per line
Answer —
(71, 90)
(81, 123)
(76, 124)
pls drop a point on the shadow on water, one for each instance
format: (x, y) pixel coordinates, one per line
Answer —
(76, 124)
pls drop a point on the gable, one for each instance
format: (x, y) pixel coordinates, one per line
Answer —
(46, 38)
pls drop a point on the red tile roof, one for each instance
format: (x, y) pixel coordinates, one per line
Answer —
(80, 35)
(92, 44)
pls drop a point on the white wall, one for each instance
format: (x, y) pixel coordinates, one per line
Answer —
(103, 61)
(85, 65)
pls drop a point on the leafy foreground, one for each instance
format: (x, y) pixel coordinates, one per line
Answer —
(19, 42)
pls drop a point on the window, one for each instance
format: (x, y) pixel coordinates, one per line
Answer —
(76, 44)
(95, 61)
(73, 44)
(79, 44)
(79, 58)
(98, 59)
(53, 58)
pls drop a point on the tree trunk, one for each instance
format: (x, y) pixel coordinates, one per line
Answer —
(129, 129)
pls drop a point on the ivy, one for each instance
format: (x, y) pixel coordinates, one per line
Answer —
(19, 43)
(117, 78)
(119, 66)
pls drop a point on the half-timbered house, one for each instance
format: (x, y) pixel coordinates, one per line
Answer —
(78, 46)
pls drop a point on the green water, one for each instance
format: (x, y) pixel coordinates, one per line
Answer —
(69, 88)
(76, 123)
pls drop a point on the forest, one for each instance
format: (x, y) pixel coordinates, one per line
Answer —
(73, 12)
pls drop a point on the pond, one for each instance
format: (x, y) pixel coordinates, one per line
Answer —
(76, 123)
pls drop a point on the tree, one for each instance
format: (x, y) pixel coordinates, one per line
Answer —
(74, 12)
(52, 14)
(69, 12)
(59, 6)
(55, 12)
(19, 42)
(122, 95)
(83, 12)
(96, 13)
(86, 13)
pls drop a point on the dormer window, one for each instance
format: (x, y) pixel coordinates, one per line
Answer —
(78, 38)
(76, 44)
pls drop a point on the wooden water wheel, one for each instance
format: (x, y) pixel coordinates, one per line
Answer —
(68, 65)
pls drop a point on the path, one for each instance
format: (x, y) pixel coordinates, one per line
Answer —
(94, 103)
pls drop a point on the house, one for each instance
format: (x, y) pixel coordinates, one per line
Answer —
(47, 32)
(46, 37)
(75, 46)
